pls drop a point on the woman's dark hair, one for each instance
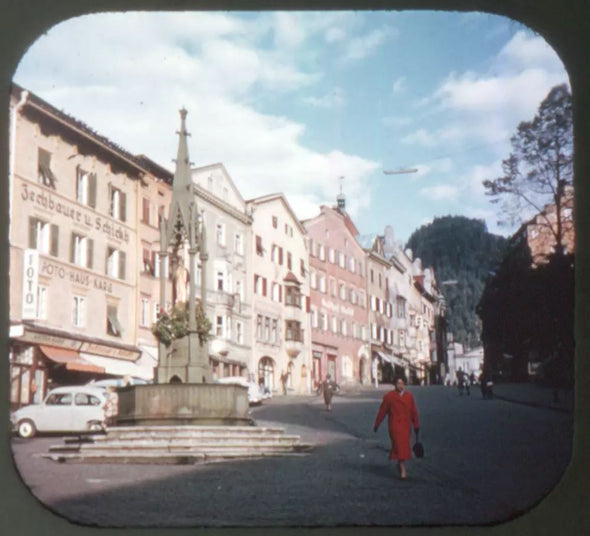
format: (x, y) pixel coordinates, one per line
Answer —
(399, 377)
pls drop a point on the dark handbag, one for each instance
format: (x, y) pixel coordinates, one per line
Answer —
(418, 449)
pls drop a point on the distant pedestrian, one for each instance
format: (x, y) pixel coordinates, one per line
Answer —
(329, 387)
(402, 414)
(111, 407)
(284, 377)
(460, 381)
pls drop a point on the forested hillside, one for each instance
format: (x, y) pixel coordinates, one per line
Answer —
(460, 249)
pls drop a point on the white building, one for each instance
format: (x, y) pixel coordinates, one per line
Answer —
(280, 276)
(228, 277)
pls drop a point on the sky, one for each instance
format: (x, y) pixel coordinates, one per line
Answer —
(292, 101)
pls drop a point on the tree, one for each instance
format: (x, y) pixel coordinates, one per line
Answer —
(539, 169)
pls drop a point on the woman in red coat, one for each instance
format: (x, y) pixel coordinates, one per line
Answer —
(400, 408)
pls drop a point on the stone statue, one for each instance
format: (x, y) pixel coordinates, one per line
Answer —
(180, 281)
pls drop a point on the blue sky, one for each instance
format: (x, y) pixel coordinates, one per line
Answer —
(292, 101)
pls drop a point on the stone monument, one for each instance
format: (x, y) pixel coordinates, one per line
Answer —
(184, 391)
(187, 360)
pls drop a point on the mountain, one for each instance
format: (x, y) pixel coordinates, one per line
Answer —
(463, 255)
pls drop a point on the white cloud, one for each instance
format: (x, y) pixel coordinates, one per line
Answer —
(399, 85)
(362, 47)
(335, 99)
(442, 192)
(525, 51)
(487, 106)
(420, 137)
(397, 121)
(212, 64)
(335, 35)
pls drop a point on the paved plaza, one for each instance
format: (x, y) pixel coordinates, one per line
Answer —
(486, 461)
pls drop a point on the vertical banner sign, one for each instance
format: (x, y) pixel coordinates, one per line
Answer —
(30, 282)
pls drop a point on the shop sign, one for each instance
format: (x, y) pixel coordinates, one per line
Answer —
(30, 283)
(47, 201)
(49, 340)
(349, 311)
(54, 269)
(109, 351)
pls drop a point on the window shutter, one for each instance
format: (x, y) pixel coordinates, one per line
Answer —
(121, 265)
(32, 233)
(280, 256)
(54, 240)
(264, 286)
(92, 190)
(307, 304)
(111, 201)
(90, 253)
(280, 293)
(123, 207)
(78, 182)
(73, 248)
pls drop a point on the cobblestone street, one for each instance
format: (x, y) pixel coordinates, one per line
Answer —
(482, 465)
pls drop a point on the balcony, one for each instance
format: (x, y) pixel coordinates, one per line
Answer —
(294, 342)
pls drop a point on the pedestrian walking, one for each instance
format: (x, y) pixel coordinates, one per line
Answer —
(329, 387)
(460, 381)
(111, 407)
(402, 414)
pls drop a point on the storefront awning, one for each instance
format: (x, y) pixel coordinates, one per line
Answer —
(120, 367)
(390, 359)
(71, 359)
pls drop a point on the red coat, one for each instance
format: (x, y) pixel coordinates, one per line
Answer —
(402, 413)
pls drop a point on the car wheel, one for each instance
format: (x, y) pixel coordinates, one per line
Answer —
(26, 429)
(95, 426)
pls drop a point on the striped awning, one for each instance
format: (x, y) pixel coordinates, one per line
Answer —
(70, 358)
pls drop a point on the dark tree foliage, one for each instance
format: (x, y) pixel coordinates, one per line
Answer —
(459, 249)
(528, 317)
(539, 170)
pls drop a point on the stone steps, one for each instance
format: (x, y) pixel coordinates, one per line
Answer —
(178, 445)
(163, 458)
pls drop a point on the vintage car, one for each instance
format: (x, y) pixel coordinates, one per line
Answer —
(116, 382)
(65, 409)
(254, 394)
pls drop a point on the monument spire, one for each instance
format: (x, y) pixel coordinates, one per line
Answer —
(180, 208)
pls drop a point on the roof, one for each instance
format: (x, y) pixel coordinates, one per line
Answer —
(291, 278)
(141, 162)
(278, 196)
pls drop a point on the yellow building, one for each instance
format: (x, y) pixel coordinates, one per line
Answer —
(75, 252)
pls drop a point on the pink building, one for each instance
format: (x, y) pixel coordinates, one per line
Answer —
(338, 298)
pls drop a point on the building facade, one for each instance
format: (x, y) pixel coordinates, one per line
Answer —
(229, 269)
(73, 252)
(340, 339)
(281, 301)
